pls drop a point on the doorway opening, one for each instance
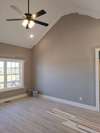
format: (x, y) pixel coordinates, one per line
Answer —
(97, 74)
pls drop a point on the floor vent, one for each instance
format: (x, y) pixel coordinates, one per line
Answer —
(7, 101)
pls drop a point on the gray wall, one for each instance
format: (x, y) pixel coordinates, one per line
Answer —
(9, 51)
(64, 60)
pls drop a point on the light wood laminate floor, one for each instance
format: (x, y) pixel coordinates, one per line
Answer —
(29, 115)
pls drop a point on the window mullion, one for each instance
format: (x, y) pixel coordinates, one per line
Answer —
(5, 74)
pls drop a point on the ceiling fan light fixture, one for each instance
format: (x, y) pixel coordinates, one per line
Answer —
(34, 16)
(31, 24)
(31, 36)
(29, 19)
(25, 22)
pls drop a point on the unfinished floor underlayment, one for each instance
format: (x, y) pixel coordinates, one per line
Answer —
(75, 122)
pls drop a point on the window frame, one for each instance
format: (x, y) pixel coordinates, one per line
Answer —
(5, 70)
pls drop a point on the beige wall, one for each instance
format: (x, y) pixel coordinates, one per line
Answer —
(64, 60)
(9, 51)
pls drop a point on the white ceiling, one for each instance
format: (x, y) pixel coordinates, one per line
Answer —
(13, 33)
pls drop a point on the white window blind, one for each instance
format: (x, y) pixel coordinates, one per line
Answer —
(11, 73)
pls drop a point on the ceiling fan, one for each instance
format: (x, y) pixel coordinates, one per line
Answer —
(29, 19)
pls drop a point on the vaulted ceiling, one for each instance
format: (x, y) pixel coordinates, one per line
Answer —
(13, 33)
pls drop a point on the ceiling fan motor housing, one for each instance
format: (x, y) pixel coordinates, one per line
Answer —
(28, 16)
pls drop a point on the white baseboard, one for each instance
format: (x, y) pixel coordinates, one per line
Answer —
(13, 98)
(84, 106)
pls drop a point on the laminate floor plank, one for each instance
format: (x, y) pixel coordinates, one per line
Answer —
(29, 115)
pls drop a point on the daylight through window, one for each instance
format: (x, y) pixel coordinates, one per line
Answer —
(11, 73)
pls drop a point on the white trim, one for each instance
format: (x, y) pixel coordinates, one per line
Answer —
(22, 73)
(11, 59)
(97, 78)
(13, 98)
(89, 107)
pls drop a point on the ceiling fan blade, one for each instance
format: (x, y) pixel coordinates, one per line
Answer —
(15, 8)
(16, 19)
(41, 23)
(40, 13)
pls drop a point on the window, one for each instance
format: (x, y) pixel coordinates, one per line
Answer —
(1, 74)
(11, 73)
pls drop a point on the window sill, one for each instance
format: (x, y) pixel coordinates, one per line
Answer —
(11, 89)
